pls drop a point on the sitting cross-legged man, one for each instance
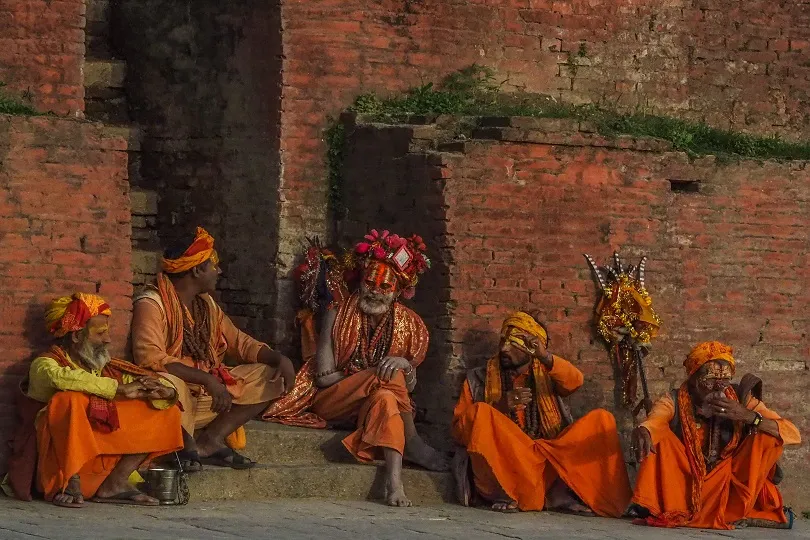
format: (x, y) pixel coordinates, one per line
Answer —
(181, 332)
(521, 449)
(96, 419)
(368, 351)
(709, 451)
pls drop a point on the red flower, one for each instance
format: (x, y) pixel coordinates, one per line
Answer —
(362, 248)
(379, 253)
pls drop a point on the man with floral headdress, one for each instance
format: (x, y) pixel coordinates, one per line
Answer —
(368, 351)
(96, 419)
(523, 449)
(180, 331)
(709, 451)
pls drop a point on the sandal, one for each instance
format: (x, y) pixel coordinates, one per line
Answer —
(226, 457)
(126, 497)
(189, 460)
(71, 493)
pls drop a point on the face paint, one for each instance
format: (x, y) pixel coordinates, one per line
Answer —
(380, 278)
(98, 330)
(716, 375)
(516, 338)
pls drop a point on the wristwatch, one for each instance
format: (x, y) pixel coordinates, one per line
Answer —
(757, 420)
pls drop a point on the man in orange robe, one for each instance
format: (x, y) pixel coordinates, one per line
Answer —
(368, 351)
(519, 439)
(709, 451)
(181, 332)
(100, 418)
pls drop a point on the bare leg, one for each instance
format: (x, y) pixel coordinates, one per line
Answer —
(71, 497)
(560, 497)
(418, 451)
(118, 480)
(212, 438)
(394, 490)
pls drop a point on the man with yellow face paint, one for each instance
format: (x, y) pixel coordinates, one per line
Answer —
(523, 448)
(369, 348)
(708, 451)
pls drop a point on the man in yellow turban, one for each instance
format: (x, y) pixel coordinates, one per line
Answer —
(524, 449)
(709, 450)
(180, 331)
(89, 421)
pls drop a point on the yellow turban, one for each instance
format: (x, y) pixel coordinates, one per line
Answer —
(198, 252)
(71, 313)
(706, 352)
(525, 322)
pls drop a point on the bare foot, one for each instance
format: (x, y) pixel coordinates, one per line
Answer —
(506, 506)
(396, 497)
(419, 452)
(562, 499)
(71, 497)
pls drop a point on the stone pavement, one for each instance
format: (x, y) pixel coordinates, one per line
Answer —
(312, 518)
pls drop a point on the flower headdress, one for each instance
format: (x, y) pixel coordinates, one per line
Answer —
(406, 256)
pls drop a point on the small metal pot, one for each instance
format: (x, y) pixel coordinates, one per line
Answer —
(162, 484)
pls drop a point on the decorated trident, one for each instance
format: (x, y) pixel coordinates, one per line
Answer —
(627, 322)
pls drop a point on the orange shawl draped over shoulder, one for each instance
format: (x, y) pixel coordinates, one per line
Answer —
(410, 339)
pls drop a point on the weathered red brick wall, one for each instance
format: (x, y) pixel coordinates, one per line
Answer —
(729, 262)
(740, 65)
(64, 227)
(42, 52)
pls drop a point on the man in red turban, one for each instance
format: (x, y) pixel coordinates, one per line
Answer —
(97, 419)
(367, 356)
(180, 331)
(709, 450)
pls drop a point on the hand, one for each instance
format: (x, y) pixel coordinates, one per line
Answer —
(220, 397)
(518, 396)
(390, 365)
(642, 443)
(163, 392)
(735, 411)
(285, 367)
(131, 390)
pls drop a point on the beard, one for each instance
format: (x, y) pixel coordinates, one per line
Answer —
(372, 303)
(510, 363)
(94, 356)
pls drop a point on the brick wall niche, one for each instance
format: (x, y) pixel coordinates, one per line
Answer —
(508, 212)
(64, 227)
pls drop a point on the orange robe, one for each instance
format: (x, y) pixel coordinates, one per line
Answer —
(377, 405)
(738, 487)
(156, 342)
(587, 455)
(68, 445)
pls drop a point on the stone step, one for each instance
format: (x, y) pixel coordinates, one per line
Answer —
(329, 481)
(275, 444)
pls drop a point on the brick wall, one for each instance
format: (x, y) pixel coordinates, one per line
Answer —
(64, 227)
(517, 208)
(740, 65)
(203, 85)
(42, 52)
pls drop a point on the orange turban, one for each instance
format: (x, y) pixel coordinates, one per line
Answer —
(198, 252)
(71, 313)
(525, 322)
(706, 352)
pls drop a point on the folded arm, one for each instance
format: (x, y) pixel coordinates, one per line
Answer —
(46, 377)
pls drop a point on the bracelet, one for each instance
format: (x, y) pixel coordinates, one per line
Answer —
(757, 420)
(325, 373)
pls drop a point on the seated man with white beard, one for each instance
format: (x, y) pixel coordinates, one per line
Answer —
(96, 419)
(368, 350)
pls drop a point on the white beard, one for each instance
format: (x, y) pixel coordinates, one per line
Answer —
(92, 357)
(373, 303)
